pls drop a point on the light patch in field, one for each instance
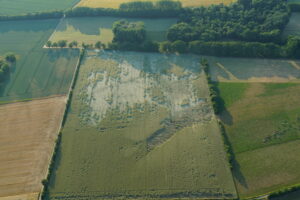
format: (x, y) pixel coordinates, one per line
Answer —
(128, 86)
(116, 3)
(253, 70)
(27, 137)
(93, 29)
(141, 125)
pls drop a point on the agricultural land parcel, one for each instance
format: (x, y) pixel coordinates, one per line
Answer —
(93, 29)
(38, 72)
(116, 3)
(27, 137)
(141, 125)
(20, 7)
(262, 121)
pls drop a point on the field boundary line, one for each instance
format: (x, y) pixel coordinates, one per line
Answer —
(31, 99)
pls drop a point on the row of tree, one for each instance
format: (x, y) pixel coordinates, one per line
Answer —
(74, 44)
(161, 8)
(245, 20)
(38, 15)
(5, 63)
(235, 48)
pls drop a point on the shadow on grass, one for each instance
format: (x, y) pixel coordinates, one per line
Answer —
(226, 118)
(56, 159)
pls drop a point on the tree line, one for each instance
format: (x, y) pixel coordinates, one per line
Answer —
(38, 15)
(74, 44)
(145, 9)
(5, 63)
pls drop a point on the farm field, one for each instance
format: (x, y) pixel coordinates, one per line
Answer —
(19, 7)
(93, 29)
(226, 69)
(262, 121)
(293, 27)
(27, 137)
(141, 125)
(116, 3)
(38, 72)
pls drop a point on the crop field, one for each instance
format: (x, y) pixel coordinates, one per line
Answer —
(116, 3)
(93, 29)
(27, 137)
(262, 121)
(38, 72)
(19, 7)
(141, 126)
(254, 70)
(293, 27)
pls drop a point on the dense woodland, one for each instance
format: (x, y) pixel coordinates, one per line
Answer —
(257, 20)
(125, 31)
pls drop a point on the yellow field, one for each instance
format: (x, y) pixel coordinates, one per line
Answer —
(116, 3)
(27, 137)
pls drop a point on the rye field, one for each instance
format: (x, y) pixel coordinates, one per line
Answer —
(262, 122)
(20, 7)
(38, 72)
(141, 126)
(27, 137)
(93, 29)
(116, 3)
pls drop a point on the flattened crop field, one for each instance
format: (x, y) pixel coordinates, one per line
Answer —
(141, 126)
(27, 137)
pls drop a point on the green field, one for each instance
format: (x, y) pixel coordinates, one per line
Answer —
(38, 72)
(140, 126)
(293, 27)
(254, 70)
(92, 29)
(262, 122)
(19, 7)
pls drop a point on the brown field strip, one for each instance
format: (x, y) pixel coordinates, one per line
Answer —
(27, 137)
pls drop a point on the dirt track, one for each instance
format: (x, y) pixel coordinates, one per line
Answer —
(27, 136)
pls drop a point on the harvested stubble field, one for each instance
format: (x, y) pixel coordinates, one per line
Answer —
(38, 72)
(254, 70)
(293, 27)
(141, 126)
(27, 137)
(116, 3)
(93, 29)
(19, 7)
(262, 122)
